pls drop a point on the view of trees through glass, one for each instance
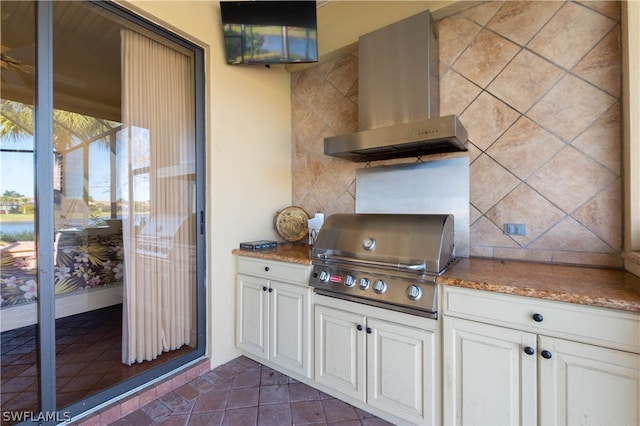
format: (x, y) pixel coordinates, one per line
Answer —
(73, 132)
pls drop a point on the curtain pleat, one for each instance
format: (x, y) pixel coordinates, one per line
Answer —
(157, 84)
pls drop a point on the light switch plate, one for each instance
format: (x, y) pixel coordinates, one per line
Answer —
(515, 229)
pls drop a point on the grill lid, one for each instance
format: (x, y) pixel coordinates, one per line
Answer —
(420, 243)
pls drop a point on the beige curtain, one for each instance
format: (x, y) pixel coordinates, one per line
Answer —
(155, 157)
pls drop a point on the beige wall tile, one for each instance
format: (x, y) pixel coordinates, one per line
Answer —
(344, 74)
(485, 57)
(606, 7)
(599, 214)
(489, 183)
(456, 93)
(570, 107)
(524, 148)
(607, 260)
(483, 12)
(601, 141)
(454, 35)
(485, 233)
(524, 255)
(524, 205)
(522, 169)
(523, 82)
(486, 119)
(569, 235)
(519, 21)
(601, 65)
(570, 179)
(570, 34)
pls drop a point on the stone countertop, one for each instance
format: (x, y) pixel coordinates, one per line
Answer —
(285, 252)
(608, 288)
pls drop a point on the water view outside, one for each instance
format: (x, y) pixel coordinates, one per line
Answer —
(17, 227)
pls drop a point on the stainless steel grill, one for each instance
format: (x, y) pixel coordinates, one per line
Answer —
(162, 234)
(387, 260)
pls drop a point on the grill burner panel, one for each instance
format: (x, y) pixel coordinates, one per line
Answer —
(404, 293)
(387, 260)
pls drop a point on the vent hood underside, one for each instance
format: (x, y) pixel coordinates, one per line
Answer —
(398, 97)
(433, 136)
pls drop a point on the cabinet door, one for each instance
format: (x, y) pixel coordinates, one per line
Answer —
(340, 350)
(289, 343)
(253, 315)
(585, 384)
(401, 371)
(488, 377)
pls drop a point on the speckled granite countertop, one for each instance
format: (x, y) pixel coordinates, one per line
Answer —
(575, 284)
(287, 252)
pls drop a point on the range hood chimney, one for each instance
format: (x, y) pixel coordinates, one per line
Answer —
(398, 97)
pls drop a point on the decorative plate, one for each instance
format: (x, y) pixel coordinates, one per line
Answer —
(291, 223)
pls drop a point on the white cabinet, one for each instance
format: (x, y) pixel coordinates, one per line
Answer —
(488, 377)
(518, 360)
(586, 384)
(253, 315)
(273, 315)
(340, 350)
(383, 358)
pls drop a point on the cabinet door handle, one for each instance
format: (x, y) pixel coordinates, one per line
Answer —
(270, 290)
(537, 317)
(546, 354)
(359, 327)
(529, 350)
(264, 288)
(369, 331)
(266, 268)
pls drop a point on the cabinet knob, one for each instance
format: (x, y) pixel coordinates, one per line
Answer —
(369, 331)
(546, 354)
(537, 317)
(529, 350)
(359, 327)
(270, 290)
(266, 268)
(264, 288)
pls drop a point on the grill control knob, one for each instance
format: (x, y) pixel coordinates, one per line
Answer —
(364, 283)
(380, 287)
(350, 281)
(324, 276)
(414, 292)
(369, 244)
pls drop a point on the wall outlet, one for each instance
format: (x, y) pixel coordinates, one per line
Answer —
(515, 229)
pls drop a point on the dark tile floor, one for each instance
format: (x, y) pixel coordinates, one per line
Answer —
(244, 393)
(241, 392)
(88, 353)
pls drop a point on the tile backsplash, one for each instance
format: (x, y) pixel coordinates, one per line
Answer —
(537, 86)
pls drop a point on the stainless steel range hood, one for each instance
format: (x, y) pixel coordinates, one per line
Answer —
(398, 97)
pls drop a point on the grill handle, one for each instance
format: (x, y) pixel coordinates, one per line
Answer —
(413, 268)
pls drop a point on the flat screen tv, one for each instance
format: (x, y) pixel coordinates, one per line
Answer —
(269, 31)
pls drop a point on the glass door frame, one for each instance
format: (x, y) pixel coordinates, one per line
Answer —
(44, 160)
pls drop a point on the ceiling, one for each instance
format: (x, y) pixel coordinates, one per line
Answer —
(86, 50)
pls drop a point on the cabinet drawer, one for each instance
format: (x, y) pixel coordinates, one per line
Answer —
(599, 326)
(282, 271)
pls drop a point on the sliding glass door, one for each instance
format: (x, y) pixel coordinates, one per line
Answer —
(19, 370)
(102, 244)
